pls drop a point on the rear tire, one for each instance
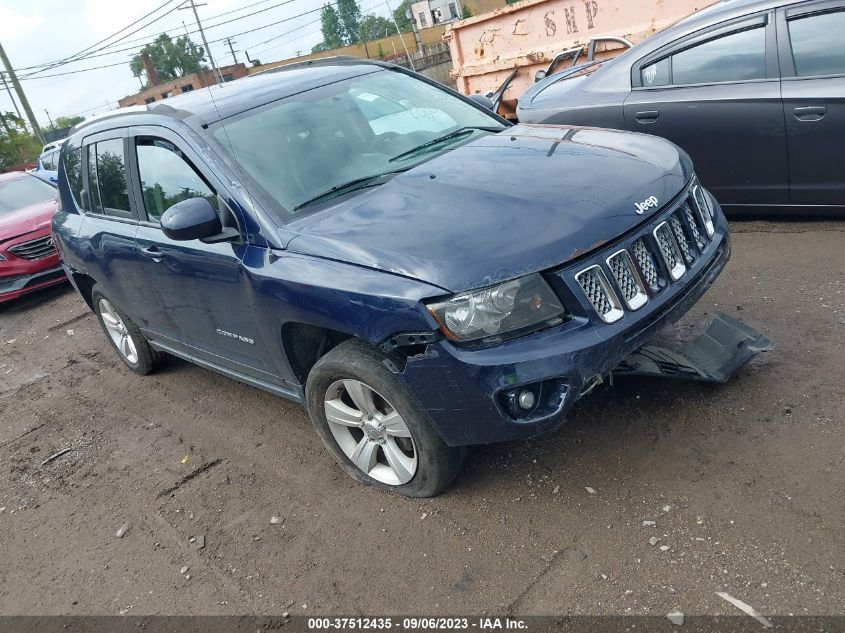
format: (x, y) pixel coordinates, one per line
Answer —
(374, 427)
(131, 346)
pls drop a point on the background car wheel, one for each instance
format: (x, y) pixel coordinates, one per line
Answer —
(131, 346)
(374, 427)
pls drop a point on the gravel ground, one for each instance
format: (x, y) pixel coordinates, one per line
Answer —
(744, 482)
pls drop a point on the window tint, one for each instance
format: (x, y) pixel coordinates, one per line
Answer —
(818, 45)
(167, 177)
(48, 161)
(73, 171)
(735, 57)
(107, 178)
(656, 74)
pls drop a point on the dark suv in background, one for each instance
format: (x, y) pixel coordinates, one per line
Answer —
(416, 271)
(753, 90)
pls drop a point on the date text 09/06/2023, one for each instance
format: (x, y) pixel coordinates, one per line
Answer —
(417, 623)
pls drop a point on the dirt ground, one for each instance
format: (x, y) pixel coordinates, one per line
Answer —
(743, 481)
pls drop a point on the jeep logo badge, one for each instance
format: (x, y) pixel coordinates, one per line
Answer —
(645, 205)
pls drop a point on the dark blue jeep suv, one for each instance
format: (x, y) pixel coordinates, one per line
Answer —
(419, 273)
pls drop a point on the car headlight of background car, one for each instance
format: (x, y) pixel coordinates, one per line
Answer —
(499, 312)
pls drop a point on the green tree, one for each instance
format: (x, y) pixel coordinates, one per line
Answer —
(111, 176)
(466, 12)
(374, 26)
(331, 27)
(171, 58)
(69, 121)
(350, 17)
(17, 145)
(399, 14)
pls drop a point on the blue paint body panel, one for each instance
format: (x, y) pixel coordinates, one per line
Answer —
(531, 199)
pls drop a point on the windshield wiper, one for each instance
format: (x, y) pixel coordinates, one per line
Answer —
(461, 131)
(352, 185)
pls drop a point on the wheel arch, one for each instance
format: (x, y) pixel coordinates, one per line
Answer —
(305, 344)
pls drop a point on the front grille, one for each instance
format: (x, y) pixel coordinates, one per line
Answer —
(693, 226)
(627, 279)
(681, 238)
(669, 251)
(648, 267)
(595, 286)
(34, 249)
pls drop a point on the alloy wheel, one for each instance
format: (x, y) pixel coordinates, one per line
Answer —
(371, 432)
(116, 329)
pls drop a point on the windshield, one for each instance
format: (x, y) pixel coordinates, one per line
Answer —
(24, 192)
(300, 148)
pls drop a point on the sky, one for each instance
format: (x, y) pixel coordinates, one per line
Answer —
(34, 33)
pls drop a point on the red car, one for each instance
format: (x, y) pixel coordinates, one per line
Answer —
(28, 258)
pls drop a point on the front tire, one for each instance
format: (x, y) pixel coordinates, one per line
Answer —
(374, 427)
(125, 337)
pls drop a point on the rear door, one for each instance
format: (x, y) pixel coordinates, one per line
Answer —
(109, 226)
(811, 36)
(716, 93)
(201, 288)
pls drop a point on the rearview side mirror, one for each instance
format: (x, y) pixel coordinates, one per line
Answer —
(483, 101)
(540, 75)
(191, 219)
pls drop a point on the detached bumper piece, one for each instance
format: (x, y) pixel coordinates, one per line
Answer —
(716, 356)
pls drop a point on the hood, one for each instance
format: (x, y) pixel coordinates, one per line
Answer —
(27, 220)
(529, 198)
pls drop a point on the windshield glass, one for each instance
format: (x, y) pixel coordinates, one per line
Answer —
(24, 192)
(301, 147)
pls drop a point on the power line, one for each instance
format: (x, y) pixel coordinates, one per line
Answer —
(145, 16)
(32, 76)
(147, 39)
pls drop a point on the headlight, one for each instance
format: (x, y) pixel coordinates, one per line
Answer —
(500, 312)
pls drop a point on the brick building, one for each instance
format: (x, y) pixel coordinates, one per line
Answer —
(187, 83)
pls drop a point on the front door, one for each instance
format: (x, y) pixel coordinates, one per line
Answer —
(717, 95)
(812, 38)
(200, 287)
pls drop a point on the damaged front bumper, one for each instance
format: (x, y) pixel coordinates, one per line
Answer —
(469, 394)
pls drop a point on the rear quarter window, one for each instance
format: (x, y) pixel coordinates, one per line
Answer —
(73, 171)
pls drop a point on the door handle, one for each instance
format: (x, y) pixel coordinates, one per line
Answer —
(647, 116)
(810, 113)
(153, 253)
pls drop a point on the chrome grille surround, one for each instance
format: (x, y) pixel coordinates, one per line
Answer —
(34, 249)
(596, 288)
(681, 238)
(703, 210)
(648, 267)
(669, 251)
(627, 279)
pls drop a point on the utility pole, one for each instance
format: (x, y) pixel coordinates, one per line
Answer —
(232, 50)
(218, 76)
(36, 129)
(14, 103)
(399, 33)
(49, 119)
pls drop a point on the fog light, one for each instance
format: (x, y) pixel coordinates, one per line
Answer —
(526, 399)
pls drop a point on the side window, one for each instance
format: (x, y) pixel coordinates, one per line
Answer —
(656, 74)
(107, 178)
(818, 45)
(735, 57)
(167, 177)
(73, 171)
